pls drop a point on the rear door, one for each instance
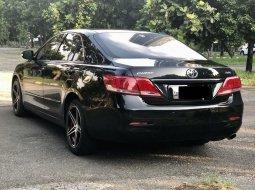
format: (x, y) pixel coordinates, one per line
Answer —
(57, 73)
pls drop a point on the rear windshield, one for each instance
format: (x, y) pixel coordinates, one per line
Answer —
(144, 45)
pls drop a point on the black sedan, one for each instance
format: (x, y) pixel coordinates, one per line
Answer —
(127, 86)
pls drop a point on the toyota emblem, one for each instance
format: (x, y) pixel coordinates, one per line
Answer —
(192, 73)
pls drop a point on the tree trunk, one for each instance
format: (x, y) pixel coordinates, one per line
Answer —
(40, 39)
(249, 57)
(230, 53)
(221, 49)
(32, 41)
(208, 53)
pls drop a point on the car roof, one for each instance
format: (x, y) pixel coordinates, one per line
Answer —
(89, 32)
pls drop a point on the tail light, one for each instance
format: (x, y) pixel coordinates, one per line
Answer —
(230, 85)
(131, 85)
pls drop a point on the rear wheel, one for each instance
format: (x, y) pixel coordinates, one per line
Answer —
(78, 139)
(17, 103)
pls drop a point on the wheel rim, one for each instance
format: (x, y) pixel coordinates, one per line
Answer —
(15, 96)
(73, 126)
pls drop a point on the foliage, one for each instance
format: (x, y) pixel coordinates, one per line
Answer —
(121, 14)
(202, 22)
(237, 21)
(247, 78)
(246, 25)
(4, 33)
(212, 184)
(246, 19)
(25, 20)
(68, 14)
(226, 27)
(191, 20)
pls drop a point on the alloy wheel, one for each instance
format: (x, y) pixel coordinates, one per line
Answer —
(73, 126)
(15, 96)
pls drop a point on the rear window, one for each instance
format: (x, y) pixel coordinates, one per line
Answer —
(144, 45)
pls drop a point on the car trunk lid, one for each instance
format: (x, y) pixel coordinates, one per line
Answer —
(181, 81)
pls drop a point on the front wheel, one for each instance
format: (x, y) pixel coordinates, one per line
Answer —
(17, 103)
(77, 136)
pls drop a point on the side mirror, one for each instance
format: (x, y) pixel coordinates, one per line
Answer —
(28, 54)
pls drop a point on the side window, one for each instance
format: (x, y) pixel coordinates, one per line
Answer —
(50, 50)
(72, 49)
(92, 55)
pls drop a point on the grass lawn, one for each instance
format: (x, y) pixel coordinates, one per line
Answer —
(226, 60)
(248, 79)
(212, 184)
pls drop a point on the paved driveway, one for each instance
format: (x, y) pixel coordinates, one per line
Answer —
(34, 156)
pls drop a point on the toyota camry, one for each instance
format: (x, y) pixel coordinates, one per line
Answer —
(127, 86)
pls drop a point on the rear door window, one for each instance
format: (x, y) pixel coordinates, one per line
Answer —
(72, 48)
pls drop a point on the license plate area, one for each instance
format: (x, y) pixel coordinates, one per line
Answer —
(189, 92)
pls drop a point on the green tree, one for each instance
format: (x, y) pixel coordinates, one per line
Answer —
(191, 20)
(203, 22)
(68, 14)
(34, 21)
(11, 13)
(25, 19)
(246, 26)
(119, 14)
(226, 27)
(236, 24)
(4, 33)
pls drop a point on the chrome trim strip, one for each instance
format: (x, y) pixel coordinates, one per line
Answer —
(187, 80)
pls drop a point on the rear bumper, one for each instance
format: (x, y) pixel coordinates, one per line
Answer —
(165, 123)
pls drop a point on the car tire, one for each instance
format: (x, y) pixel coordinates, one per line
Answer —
(77, 136)
(17, 102)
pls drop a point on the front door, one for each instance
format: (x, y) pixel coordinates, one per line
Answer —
(33, 85)
(34, 71)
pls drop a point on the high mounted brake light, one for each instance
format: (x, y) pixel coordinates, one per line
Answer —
(131, 85)
(230, 85)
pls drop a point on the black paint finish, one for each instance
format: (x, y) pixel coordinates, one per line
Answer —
(53, 78)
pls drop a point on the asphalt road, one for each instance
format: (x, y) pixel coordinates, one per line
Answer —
(34, 156)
